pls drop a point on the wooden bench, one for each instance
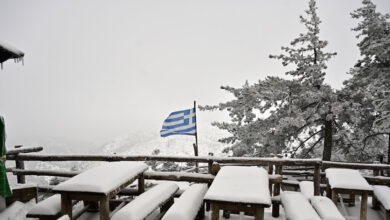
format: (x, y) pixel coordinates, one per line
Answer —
(297, 207)
(189, 206)
(23, 193)
(325, 208)
(160, 196)
(307, 188)
(381, 197)
(48, 209)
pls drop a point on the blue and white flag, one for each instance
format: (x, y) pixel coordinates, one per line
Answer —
(180, 123)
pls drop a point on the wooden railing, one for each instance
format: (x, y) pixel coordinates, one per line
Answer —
(277, 167)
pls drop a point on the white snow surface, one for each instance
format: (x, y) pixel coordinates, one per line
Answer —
(240, 184)
(16, 211)
(103, 178)
(49, 206)
(307, 188)
(346, 179)
(382, 193)
(187, 206)
(148, 201)
(297, 207)
(325, 208)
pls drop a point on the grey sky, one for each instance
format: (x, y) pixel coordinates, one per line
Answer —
(95, 70)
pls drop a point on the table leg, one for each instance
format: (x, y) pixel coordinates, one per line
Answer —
(259, 213)
(66, 205)
(214, 211)
(104, 208)
(363, 208)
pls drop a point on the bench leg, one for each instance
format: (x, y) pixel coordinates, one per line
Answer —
(214, 212)
(66, 206)
(388, 215)
(141, 183)
(200, 215)
(375, 203)
(363, 208)
(104, 208)
(259, 213)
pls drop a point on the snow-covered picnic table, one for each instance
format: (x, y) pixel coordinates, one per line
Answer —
(351, 182)
(99, 184)
(237, 188)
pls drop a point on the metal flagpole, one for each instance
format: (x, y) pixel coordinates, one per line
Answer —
(196, 139)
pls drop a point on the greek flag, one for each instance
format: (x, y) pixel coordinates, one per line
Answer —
(180, 123)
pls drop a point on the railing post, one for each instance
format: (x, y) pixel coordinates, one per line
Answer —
(317, 179)
(19, 164)
(275, 207)
(270, 172)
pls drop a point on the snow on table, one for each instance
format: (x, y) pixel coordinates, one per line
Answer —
(103, 178)
(326, 208)
(297, 207)
(187, 206)
(382, 193)
(240, 185)
(346, 179)
(49, 206)
(148, 201)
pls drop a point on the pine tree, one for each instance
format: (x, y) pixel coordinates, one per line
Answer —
(300, 111)
(367, 91)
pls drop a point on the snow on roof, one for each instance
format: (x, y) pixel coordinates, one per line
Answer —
(346, 179)
(143, 205)
(240, 184)
(383, 195)
(103, 178)
(187, 206)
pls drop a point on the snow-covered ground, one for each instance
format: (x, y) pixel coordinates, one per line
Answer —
(18, 210)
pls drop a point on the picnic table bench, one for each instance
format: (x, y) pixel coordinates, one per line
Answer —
(238, 188)
(348, 181)
(99, 184)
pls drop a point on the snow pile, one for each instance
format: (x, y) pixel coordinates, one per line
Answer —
(16, 211)
(326, 208)
(346, 179)
(240, 184)
(103, 178)
(382, 193)
(307, 188)
(187, 206)
(148, 201)
(49, 206)
(297, 207)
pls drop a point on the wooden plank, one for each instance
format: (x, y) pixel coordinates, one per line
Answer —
(24, 150)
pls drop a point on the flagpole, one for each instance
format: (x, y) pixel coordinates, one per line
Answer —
(196, 139)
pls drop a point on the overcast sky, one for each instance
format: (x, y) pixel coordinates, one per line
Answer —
(95, 70)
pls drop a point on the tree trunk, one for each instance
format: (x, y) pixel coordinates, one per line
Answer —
(388, 150)
(328, 142)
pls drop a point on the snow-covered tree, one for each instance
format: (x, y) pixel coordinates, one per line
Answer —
(295, 115)
(368, 90)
